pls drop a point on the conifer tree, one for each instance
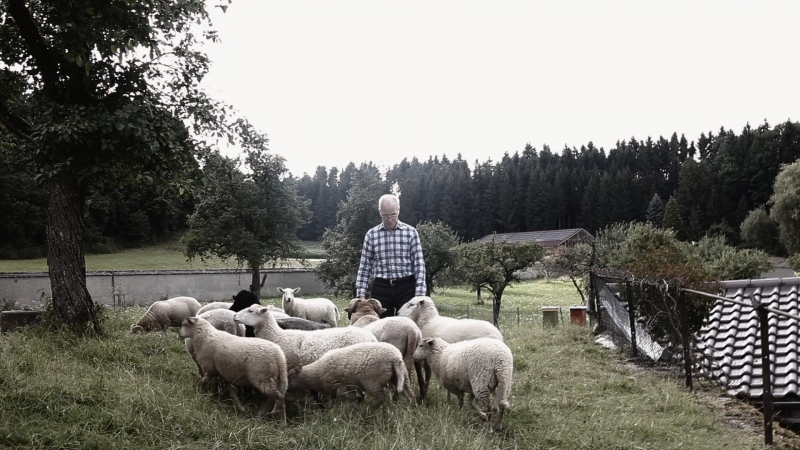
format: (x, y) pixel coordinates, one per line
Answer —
(655, 211)
(672, 218)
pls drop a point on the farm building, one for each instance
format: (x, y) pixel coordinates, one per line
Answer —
(551, 240)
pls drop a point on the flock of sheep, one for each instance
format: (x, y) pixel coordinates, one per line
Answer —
(300, 347)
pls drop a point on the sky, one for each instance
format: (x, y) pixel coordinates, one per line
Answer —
(334, 82)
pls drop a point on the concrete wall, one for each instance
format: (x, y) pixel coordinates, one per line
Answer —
(147, 286)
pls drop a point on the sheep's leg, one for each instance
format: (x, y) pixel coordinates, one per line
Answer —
(423, 387)
(459, 395)
(407, 392)
(501, 411)
(378, 396)
(234, 393)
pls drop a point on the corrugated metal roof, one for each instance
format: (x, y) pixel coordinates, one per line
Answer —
(731, 342)
(546, 238)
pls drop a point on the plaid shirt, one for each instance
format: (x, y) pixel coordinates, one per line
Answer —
(391, 254)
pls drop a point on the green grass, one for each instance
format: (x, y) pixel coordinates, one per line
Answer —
(140, 391)
(157, 257)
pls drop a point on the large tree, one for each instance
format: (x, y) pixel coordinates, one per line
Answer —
(103, 91)
(785, 203)
(252, 217)
(494, 265)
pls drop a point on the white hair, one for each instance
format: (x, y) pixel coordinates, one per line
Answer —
(389, 198)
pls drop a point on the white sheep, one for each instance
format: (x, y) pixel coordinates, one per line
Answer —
(368, 366)
(221, 319)
(477, 367)
(401, 332)
(300, 347)
(317, 309)
(240, 361)
(424, 313)
(164, 313)
(214, 305)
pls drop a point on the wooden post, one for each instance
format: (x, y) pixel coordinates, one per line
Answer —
(766, 374)
(632, 315)
(517, 315)
(683, 310)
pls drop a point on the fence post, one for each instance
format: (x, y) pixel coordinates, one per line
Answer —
(517, 315)
(591, 305)
(683, 309)
(467, 311)
(632, 315)
(766, 376)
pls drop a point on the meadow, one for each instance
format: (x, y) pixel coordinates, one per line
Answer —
(165, 256)
(141, 391)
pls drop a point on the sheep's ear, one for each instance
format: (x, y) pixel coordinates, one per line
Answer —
(233, 297)
(429, 342)
(296, 290)
(280, 289)
(294, 370)
(422, 301)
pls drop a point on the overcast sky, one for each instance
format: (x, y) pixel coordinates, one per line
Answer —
(332, 82)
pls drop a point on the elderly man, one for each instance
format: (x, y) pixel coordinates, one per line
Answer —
(392, 253)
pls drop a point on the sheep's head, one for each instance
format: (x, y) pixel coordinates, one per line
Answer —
(359, 308)
(287, 296)
(427, 347)
(296, 380)
(244, 299)
(252, 315)
(188, 327)
(415, 306)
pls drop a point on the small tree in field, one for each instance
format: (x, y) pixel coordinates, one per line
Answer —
(252, 217)
(495, 265)
(439, 243)
(574, 262)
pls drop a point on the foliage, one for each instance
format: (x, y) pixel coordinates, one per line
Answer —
(672, 217)
(439, 243)
(252, 217)
(794, 263)
(656, 264)
(105, 91)
(785, 203)
(723, 262)
(343, 243)
(575, 261)
(760, 230)
(655, 211)
(494, 265)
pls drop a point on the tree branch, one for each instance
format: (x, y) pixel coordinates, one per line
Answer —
(13, 123)
(45, 60)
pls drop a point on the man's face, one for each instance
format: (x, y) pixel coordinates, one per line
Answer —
(389, 213)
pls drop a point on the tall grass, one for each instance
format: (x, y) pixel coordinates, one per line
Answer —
(141, 391)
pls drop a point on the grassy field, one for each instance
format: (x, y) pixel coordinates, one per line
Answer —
(156, 257)
(140, 391)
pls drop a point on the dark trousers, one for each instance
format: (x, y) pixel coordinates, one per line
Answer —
(393, 296)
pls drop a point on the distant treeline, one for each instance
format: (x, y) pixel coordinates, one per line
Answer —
(715, 181)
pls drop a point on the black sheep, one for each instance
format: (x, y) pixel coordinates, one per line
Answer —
(241, 301)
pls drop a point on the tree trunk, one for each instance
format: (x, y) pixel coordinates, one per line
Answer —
(255, 280)
(496, 298)
(65, 258)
